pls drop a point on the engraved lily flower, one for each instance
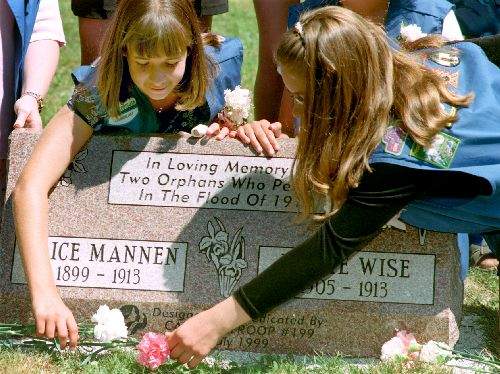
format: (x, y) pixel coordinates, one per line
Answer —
(76, 166)
(232, 264)
(215, 245)
(229, 260)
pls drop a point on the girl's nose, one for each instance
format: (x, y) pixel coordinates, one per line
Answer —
(158, 74)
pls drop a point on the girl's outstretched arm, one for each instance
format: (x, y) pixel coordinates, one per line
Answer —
(61, 140)
(380, 195)
(196, 337)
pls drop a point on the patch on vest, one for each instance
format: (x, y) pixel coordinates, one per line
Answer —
(128, 111)
(446, 56)
(440, 153)
(394, 140)
(450, 78)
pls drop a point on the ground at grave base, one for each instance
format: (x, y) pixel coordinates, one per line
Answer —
(478, 332)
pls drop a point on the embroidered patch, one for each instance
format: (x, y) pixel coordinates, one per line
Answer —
(128, 105)
(394, 140)
(445, 57)
(449, 77)
(128, 111)
(440, 153)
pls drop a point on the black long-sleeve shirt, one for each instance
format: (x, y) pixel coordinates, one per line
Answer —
(380, 195)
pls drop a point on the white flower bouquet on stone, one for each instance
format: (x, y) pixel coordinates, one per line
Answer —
(238, 103)
(237, 106)
(404, 346)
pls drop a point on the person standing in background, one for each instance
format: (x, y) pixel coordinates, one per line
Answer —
(94, 18)
(31, 34)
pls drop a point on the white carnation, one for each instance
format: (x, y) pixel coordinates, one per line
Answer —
(412, 32)
(199, 131)
(432, 350)
(110, 324)
(392, 348)
(238, 103)
(101, 314)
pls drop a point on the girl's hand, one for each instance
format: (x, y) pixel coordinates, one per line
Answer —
(53, 319)
(220, 131)
(195, 338)
(261, 135)
(26, 109)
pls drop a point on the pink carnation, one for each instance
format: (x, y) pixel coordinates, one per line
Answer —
(153, 350)
(403, 344)
(410, 343)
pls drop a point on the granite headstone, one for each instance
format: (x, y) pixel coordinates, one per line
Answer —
(164, 227)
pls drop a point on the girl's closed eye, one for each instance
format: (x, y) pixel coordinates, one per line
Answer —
(172, 64)
(142, 62)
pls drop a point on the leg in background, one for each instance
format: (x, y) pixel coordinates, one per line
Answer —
(268, 90)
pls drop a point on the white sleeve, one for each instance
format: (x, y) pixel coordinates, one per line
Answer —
(48, 23)
(451, 28)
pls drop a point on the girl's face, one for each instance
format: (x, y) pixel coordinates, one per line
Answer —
(157, 76)
(296, 84)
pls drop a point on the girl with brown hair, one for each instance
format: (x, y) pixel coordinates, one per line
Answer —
(381, 132)
(155, 75)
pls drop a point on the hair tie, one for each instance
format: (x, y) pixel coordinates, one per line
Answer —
(299, 30)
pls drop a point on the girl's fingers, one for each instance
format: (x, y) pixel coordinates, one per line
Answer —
(276, 129)
(185, 357)
(62, 332)
(176, 351)
(213, 129)
(50, 327)
(272, 140)
(263, 140)
(195, 361)
(253, 141)
(34, 121)
(232, 134)
(242, 135)
(21, 118)
(72, 332)
(40, 326)
(222, 134)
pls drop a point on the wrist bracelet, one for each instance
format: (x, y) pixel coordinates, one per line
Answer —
(37, 97)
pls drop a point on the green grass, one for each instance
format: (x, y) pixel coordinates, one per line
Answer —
(124, 362)
(481, 293)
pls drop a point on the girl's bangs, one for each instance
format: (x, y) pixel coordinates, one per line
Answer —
(147, 38)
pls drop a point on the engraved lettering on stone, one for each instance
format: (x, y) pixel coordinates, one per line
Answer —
(201, 181)
(228, 259)
(384, 277)
(113, 263)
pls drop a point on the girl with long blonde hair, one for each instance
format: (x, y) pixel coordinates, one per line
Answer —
(381, 130)
(156, 74)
